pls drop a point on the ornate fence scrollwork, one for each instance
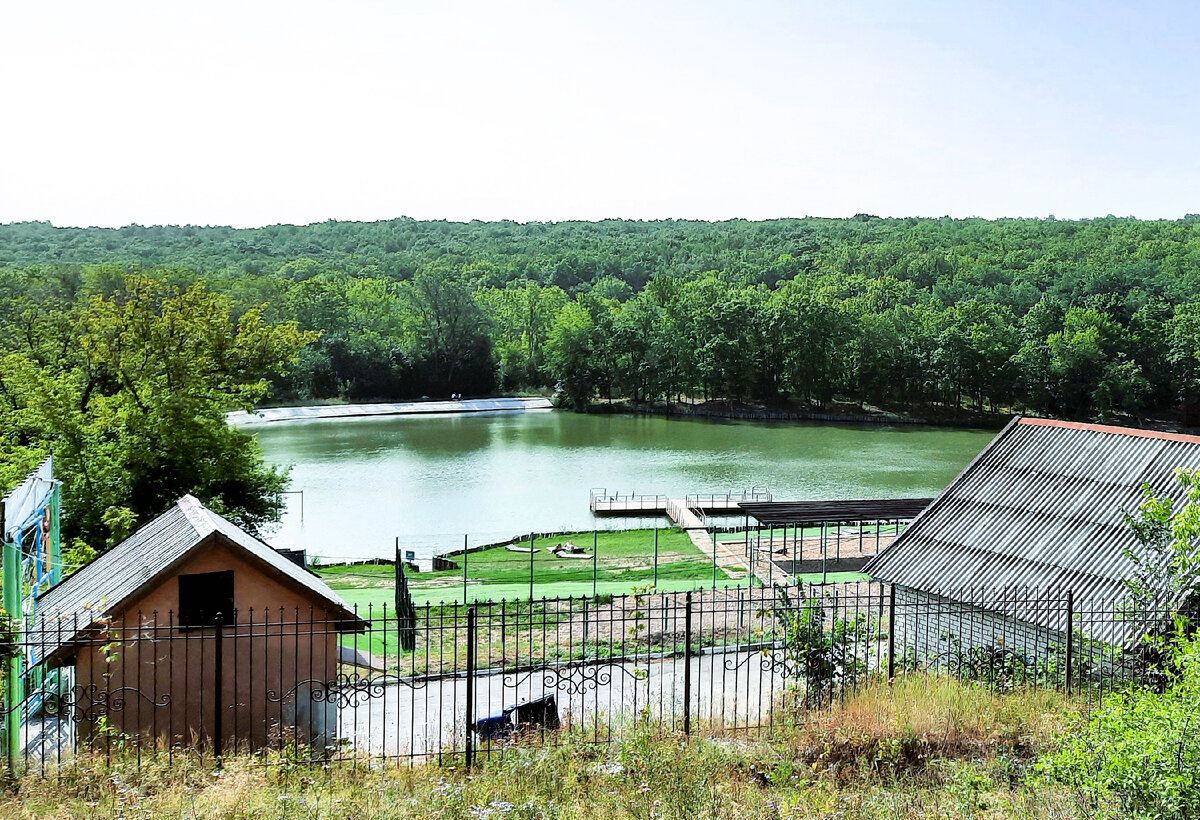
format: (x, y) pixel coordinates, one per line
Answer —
(345, 690)
(87, 703)
(575, 678)
(995, 666)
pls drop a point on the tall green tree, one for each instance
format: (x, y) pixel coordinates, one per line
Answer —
(130, 390)
(571, 353)
(453, 349)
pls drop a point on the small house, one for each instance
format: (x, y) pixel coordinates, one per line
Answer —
(1037, 516)
(192, 632)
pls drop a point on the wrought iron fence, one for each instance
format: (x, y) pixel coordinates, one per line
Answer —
(291, 684)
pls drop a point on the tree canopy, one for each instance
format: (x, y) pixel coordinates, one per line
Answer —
(1083, 319)
(127, 381)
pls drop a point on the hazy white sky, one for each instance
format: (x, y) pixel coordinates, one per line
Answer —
(250, 113)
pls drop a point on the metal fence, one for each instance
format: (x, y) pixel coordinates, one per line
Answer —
(297, 685)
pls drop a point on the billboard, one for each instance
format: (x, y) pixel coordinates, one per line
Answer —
(29, 530)
(31, 527)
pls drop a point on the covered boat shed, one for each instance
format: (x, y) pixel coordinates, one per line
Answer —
(826, 536)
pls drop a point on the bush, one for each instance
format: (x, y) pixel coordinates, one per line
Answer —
(1139, 754)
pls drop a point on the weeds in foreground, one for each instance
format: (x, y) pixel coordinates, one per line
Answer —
(923, 748)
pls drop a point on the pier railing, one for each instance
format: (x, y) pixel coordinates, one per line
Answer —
(600, 499)
(603, 500)
(729, 500)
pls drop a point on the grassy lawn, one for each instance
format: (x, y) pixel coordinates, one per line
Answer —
(376, 596)
(625, 562)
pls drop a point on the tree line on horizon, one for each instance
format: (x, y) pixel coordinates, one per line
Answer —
(1089, 319)
(1080, 319)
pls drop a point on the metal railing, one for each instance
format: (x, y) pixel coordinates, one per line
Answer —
(320, 686)
(601, 499)
(729, 500)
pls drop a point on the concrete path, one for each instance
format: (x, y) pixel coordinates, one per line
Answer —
(730, 690)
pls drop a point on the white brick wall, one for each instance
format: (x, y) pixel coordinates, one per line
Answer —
(927, 626)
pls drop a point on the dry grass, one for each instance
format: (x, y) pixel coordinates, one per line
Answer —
(924, 748)
(901, 727)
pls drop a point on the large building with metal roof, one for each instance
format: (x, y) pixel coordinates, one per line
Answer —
(1040, 513)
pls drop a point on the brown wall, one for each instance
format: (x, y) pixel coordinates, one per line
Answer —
(148, 678)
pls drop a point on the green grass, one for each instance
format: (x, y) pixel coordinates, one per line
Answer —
(625, 561)
(376, 597)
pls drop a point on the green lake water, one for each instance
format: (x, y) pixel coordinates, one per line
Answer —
(430, 479)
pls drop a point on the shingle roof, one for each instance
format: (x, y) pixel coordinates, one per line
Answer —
(103, 584)
(1042, 507)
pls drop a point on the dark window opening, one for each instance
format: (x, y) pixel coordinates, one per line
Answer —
(204, 594)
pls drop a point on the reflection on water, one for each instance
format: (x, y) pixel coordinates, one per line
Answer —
(429, 479)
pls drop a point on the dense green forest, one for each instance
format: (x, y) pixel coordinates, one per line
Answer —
(121, 350)
(1083, 319)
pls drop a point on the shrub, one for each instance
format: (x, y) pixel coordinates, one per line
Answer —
(1139, 754)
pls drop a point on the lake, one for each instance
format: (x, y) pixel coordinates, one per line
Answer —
(430, 479)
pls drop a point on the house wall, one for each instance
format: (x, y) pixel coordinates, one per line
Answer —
(147, 678)
(928, 626)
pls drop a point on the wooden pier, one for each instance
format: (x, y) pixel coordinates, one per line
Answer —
(807, 554)
(689, 513)
(604, 502)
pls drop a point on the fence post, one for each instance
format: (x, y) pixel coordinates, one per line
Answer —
(469, 747)
(891, 645)
(595, 559)
(656, 555)
(712, 537)
(1070, 671)
(219, 679)
(465, 551)
(687, 666)
(14, 691)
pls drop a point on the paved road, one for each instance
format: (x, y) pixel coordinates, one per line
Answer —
(733, 689)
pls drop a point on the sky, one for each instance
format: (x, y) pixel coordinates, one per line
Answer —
(252, 113)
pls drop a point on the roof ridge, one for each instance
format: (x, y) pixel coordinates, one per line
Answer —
(198, 515)
(1112, 429)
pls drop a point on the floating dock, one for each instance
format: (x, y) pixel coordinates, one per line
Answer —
(689, 513)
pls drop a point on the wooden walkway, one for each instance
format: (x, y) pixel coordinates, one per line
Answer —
(690, 521)
(689, 514)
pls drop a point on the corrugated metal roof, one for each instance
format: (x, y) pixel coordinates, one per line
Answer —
(1042, 507)
(779, 513)
(106, 582)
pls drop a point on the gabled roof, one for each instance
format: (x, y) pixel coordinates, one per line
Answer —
(1042, 507)
(105, 583)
